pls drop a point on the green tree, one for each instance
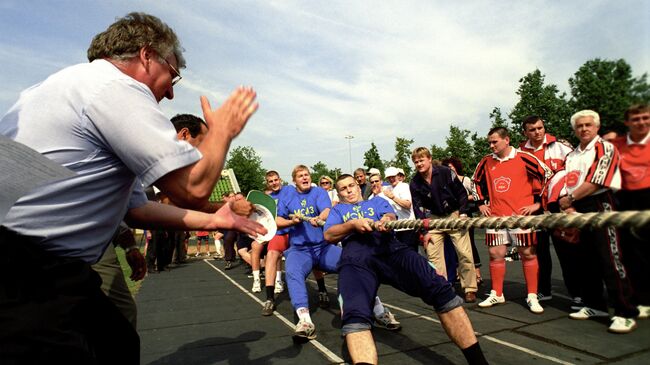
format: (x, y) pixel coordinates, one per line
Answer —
(480, 148)
(606, 87)
(438, 153)
(641, 90)
(499, 121)
(372, 159)
(320, 169)
(545, 101)
(248, 169)
(458, 146)
(403, 155)
(335, 173)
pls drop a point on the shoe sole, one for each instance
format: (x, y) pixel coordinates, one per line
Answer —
(394, 329)
(622, 332)
(585, 318)
(489, 306)
(300, 338)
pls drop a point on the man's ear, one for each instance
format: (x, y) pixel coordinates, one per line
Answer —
(183, 134)
(146, 55)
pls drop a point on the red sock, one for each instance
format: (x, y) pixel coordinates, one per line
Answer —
(531, 268)
(497, 274)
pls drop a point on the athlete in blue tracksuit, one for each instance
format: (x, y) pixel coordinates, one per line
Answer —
(307, 248)
(373, 257)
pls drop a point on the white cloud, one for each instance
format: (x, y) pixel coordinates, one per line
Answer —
(374, 70)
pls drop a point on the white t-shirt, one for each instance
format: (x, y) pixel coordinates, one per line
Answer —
(401, 191)
(106, 127)
(334, 196)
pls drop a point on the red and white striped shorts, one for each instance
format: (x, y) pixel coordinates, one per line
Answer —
(516, 237)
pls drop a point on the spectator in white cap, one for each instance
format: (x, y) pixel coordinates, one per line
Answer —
(401, 176)
(399, 197)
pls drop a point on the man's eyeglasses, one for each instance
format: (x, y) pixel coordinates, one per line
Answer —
(176, 77)
(375, 181)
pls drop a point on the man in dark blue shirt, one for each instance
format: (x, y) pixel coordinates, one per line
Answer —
(437, 193)
(370, 258)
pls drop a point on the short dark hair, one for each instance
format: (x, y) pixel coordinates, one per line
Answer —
(501, 131)
(455, 161)
(636, 109)
(342, 177)
(531, 119)
(189, 121)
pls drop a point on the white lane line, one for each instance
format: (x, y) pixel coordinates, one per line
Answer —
(527, 350)
(489, 338)
(331, 356)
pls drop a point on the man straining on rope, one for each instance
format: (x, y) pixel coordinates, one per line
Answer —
(373, 257)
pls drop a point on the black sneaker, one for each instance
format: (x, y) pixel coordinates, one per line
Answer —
(228, 265)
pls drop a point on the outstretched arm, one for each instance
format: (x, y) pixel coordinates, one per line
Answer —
(155, 215)
(192, 185)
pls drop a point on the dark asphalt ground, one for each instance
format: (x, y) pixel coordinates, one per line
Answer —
(198, 313)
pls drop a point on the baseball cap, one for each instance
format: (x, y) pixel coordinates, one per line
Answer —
(391, 171)
(374, 171)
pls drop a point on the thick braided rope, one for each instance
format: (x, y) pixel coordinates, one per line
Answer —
(627, 219)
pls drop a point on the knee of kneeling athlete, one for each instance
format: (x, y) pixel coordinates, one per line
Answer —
(450, 305)
(355, 327)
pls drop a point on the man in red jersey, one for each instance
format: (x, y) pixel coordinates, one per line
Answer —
(591, 174)
(505, 182)
(635, 195)
(552, 152)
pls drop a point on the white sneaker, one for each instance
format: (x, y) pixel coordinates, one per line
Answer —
(387, 320)
(586, 313)
(257, 286)
(533, 304)
(492, 299)
(279, 287)
(304, 331)
(644, 311)
(622, 325)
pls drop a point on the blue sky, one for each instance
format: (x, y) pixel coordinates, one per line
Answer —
(324, 70)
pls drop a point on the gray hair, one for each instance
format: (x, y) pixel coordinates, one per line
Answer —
(585, 113)
(123, 39)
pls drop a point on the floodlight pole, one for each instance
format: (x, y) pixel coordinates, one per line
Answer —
(349, 138)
